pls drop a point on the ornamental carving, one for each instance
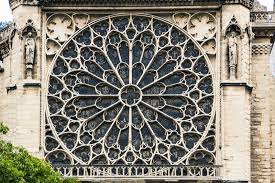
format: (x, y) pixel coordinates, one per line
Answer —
(205, 37)
(261, 49)
(202, 26)
(210, 46)
(52, 46)
(261, 17)
(80, 20)
(130, 90)
(15, 3)
(233, 26)
(181, 19)
(60, 27)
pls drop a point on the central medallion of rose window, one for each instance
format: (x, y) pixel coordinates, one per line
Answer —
(130, 95)
(131, 90)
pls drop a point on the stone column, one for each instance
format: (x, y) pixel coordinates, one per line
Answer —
(235, 112)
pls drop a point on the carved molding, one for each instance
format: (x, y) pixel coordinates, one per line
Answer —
(15, 3)
(263, 32)
(261, 49)
(237, 84)
(102, 3)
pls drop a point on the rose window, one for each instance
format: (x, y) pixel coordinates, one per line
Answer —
(131, 90)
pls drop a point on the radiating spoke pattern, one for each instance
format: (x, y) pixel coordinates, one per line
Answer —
(131, 90)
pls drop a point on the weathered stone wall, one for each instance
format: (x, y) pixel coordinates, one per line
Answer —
(272, 113)
(236, 151)
(261, 112)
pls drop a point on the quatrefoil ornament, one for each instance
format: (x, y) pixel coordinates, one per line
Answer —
(130, 95)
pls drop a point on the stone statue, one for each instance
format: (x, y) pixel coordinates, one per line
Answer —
(29, 54)
(233, 50)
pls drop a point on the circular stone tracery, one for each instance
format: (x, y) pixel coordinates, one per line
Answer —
(131, 90)
(130, 95)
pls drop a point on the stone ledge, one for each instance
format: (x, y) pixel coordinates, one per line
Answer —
(31, 83)
(24, 84)
(237, 83)
(11, 87)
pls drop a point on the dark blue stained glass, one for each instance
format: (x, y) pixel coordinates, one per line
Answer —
(70, 51)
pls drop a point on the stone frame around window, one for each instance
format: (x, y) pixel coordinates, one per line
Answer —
(200, 42)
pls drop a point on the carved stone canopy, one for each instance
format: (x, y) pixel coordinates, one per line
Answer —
(247, 3)
(29, 28)
(233, 26)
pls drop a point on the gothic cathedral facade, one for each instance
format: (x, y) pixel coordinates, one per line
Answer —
(142, 90)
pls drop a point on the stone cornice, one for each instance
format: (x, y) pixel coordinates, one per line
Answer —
(236, 84)
(262, 23)
(15, 3)
(247, 3)
(263, 29)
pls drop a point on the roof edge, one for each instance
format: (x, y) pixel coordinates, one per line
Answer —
(133, 3)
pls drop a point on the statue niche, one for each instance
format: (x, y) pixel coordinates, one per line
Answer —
(233, 33)
(29, 54)
(232, 52)
(29, 34)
